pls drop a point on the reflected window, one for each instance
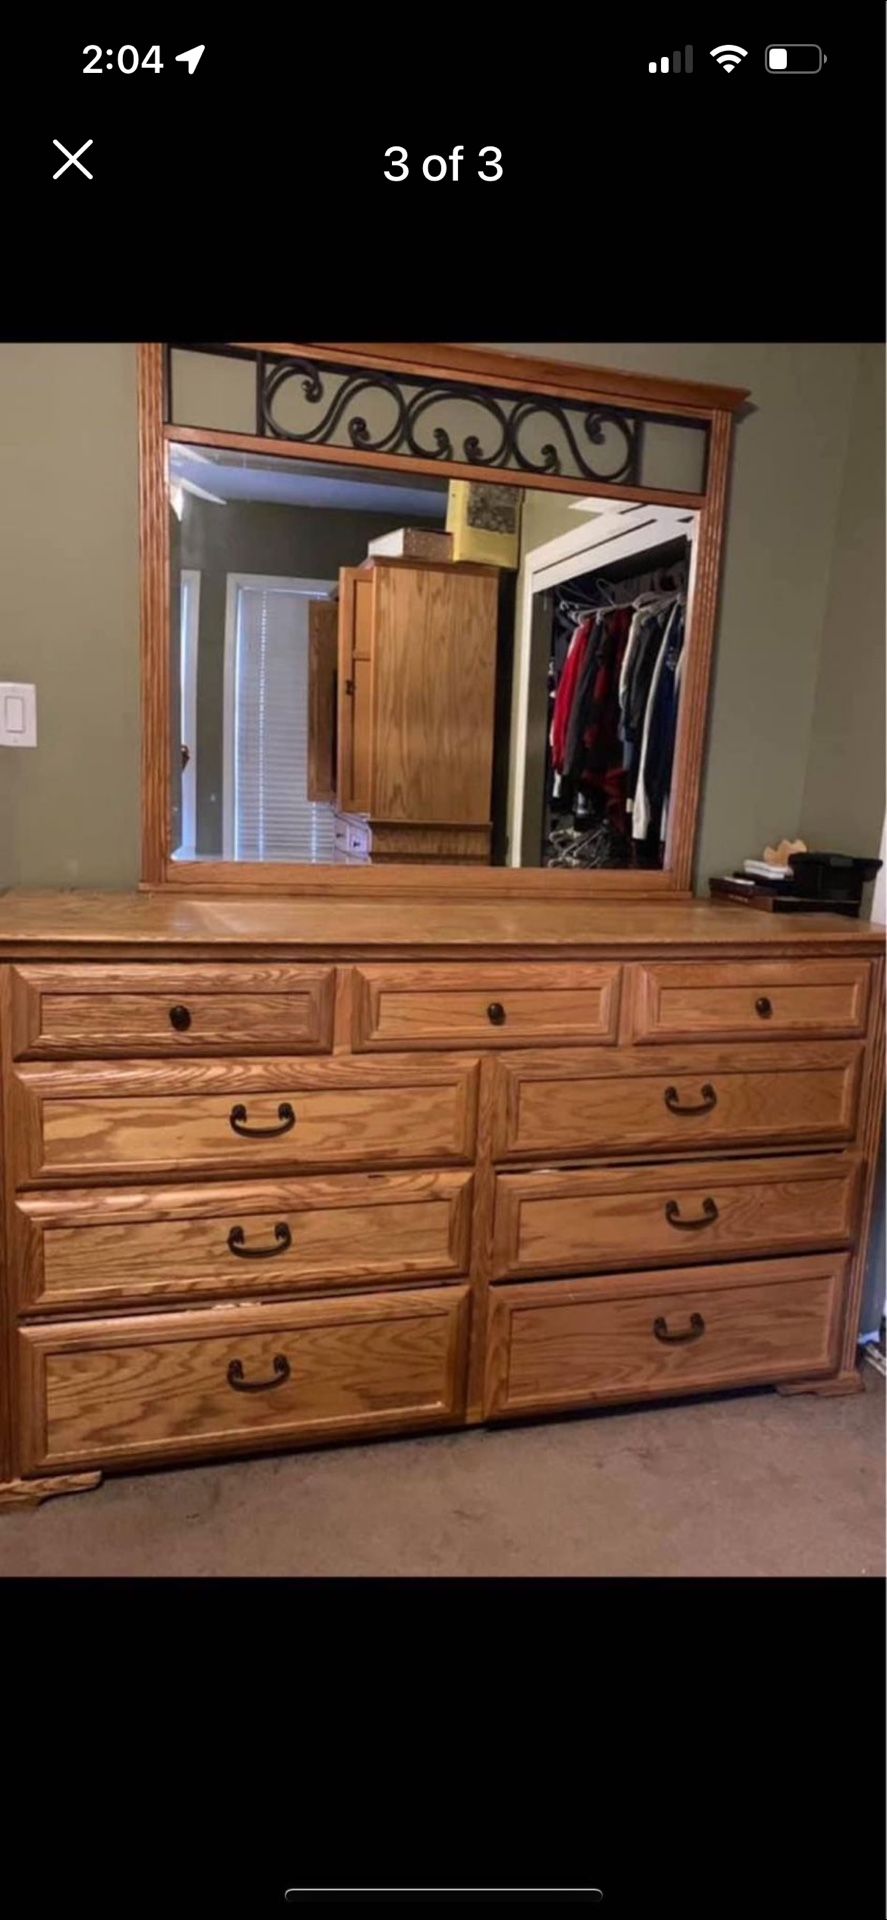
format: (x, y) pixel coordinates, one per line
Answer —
(268, 815)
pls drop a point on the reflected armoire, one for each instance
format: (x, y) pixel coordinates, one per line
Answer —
(300, 1151)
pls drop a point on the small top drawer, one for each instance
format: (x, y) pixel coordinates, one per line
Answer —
(189, 1009)
(739, 999)
(477, 1004)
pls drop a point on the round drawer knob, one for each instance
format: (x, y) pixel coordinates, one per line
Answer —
(180, 1018)
(496, 1013)
(764, 1007)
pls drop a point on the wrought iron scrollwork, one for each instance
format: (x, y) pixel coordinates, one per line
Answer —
(410, 433)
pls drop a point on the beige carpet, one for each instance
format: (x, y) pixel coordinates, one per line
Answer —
(754, 1484)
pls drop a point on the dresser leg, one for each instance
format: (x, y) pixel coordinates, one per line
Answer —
(851, 1382)
(29, 1493)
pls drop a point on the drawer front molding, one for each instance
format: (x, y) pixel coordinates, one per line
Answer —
(98, 1011)
(89, 1248)
(745, 999)
(577, 1220)
(474, 1005)
(239, 1117)
(557, 1344)
(235, 1379)
(680, 1101)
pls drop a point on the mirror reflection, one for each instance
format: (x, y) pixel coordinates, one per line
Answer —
(383, 666)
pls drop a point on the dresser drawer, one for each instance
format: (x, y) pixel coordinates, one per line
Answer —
(558, 1344)
(238, 1116)
(727, 999)
(122, 1246)
(240, 1378)
(189, 1009)
(484, 1005)
(677, 1102)
(576, 1221)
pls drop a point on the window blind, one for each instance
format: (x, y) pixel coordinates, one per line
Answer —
(273, 818)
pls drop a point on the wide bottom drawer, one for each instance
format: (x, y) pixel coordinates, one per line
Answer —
(557, 1344)
(182, 1385)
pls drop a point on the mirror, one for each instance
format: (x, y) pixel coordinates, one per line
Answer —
(381, 665)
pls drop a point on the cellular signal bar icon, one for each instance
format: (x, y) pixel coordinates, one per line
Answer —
(672, 63)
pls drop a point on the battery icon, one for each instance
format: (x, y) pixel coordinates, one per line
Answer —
(796, 59)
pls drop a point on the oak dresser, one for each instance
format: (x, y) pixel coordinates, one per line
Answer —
(281, 1172)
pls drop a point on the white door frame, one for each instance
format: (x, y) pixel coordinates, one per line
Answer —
(614, 533)
(271, 583)
(189, 633)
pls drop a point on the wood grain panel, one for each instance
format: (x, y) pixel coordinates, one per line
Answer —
(107, 1010)
(803, 1093)
(144, 1389)
(362, 746)
(558, 1344)
(434, 673)
(354, 771)
(124, 1246)
(143, 1119)
(447, 845)
(577, 1221)
(44, 923)
(691, 1000)
(323, 653)
(436, 1006)
(683, 810)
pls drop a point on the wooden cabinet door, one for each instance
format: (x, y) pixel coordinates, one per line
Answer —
(355, 768)
(323, 656)
(434, 673)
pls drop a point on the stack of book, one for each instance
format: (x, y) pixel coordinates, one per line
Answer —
(810, 883)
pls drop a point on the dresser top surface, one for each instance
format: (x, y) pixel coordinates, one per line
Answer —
(71, 919)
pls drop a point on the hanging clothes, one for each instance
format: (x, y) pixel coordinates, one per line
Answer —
(660, 720)
(645, 653)
(663, 828)
(564, 696)
(597, 758)
(614, 687)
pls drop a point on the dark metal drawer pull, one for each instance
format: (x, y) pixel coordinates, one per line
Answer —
(496, 1013)
(764, 1007)
(694, 1331)
(236, 1380)
(237, 1238)
(709, 1100)
(285, 1114)
(180, 1018)
(673, 1215)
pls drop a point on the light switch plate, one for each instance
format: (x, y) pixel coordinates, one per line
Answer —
(18, 714)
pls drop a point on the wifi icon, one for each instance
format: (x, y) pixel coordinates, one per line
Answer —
(728, 57)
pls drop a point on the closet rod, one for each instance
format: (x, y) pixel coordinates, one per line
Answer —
(615, 606)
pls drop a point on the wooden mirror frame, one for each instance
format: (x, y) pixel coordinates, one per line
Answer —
(562, 383)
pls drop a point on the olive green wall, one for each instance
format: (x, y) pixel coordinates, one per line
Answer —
(69, 596)
(69, 613)
(843, 802)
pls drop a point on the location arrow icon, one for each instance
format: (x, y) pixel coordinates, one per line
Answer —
(191, 57)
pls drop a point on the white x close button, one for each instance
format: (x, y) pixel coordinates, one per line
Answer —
(73, 159)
